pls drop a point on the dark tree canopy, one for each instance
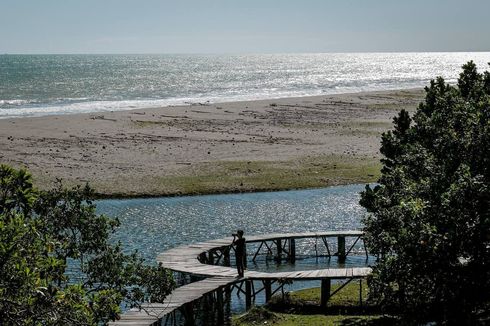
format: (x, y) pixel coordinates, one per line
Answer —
(429, 218)
(57, 266)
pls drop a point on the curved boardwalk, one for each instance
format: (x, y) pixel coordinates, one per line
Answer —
(201, 259)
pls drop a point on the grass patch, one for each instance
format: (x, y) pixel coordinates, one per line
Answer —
(347, 297)
(235, 177)
(242, 176)
(302, 308)
(282, 319)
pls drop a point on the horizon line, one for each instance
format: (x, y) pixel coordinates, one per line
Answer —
(236, 53)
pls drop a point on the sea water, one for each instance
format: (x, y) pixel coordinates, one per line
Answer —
(34, 85)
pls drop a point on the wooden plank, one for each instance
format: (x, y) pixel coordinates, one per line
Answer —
(180, 296)
(307, 274)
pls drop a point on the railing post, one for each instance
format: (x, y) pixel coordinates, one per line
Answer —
(219, 299)
(292, 250)
(341, 248)
(279, 249)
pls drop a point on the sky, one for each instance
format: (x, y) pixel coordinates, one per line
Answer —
(243, 26)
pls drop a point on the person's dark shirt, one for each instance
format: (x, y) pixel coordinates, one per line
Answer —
(240, 246)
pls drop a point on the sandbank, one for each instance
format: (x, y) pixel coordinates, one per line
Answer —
(204, 148)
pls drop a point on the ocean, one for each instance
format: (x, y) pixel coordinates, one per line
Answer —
(36, 85)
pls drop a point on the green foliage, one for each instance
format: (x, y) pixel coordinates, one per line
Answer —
(429, 217)
(57, 266)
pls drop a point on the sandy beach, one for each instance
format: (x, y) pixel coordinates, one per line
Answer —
(209, 148)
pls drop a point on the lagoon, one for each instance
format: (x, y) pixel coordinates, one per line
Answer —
(153, 225)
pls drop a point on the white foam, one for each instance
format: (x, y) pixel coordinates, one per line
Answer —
(106, 106)
(14, 102)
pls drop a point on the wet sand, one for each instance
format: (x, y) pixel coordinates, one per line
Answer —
(209, 148)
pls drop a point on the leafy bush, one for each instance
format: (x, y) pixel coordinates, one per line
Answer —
(57, 266)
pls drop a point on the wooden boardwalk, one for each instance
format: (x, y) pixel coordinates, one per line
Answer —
(153, 313)
(200, 259)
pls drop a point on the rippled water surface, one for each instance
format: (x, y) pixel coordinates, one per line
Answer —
(54, 84)
(155, 224)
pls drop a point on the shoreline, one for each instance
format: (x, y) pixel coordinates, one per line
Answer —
(232, 147)
(189, 103)
(99, 196)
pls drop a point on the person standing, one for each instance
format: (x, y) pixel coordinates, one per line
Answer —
(239, 242)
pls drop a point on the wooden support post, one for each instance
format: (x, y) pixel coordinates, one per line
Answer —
(189, 314)
(248, 295)
(220, 306)
(268, 290)
(226, 256)
(325, 292)
(360, 292)
(228, 292)
(227, 306)
(292, 250)
(207, 303)
(341, 248)
(279, 249)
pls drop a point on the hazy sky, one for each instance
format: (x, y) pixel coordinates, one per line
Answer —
(238, 26)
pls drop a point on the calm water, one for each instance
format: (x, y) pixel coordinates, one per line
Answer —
(154, 225)
(53, 84)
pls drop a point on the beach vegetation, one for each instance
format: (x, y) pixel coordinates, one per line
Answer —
(428, 219)
(302, 307)
(238, 176)
(248, 176)
(57, 263)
